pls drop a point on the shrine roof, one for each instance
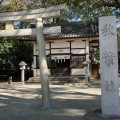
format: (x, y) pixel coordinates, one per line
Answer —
(81, 29)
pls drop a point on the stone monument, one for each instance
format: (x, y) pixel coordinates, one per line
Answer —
(109, 66)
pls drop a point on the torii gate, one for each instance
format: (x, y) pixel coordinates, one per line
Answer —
(37, 15)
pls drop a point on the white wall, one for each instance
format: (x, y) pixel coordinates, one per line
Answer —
(60, 44)
(78, 51)
(47, 45)
(78, 44)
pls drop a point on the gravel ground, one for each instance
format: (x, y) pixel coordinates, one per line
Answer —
(69, 102)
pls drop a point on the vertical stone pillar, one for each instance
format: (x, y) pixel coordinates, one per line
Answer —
(109, 66)
(87, 57)
(34, 59)
(43, 65)
(23, 76)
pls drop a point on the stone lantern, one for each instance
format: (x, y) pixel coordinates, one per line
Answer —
(22, 68)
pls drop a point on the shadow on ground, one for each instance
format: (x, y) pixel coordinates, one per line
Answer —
(70, 102)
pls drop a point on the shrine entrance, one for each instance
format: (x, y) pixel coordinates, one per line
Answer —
(37, 16)
(60, 66)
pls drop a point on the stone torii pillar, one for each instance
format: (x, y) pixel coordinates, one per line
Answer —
(43, 64)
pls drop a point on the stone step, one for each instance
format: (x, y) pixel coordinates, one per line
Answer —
(58, 79)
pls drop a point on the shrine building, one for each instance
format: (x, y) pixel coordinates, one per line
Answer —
(66, 51)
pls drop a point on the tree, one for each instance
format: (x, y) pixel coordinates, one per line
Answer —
(11, 53)
(86, 9)
(92, 9)
(78, 9)
(13, 5)
(5, 58)
(21, 52)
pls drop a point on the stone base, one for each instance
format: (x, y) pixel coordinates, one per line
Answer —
(97, 115)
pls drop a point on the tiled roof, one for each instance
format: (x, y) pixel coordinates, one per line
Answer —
(71, 30)
(76, 29)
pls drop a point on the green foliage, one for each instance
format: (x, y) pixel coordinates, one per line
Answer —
(78, 9)
(12, 52)
(94, 54)
(21, 52)
(5, 48)
(13, 5)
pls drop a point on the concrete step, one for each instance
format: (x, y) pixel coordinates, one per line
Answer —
(34, 79)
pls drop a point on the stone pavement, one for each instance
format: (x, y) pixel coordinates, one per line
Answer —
(69, 102)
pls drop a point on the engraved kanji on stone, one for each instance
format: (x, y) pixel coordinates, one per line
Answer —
(108, 30)
(109, 86)
(108, 58)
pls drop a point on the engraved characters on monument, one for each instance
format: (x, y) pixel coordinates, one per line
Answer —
(108, 58)
(107, 30)
(109, 86)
